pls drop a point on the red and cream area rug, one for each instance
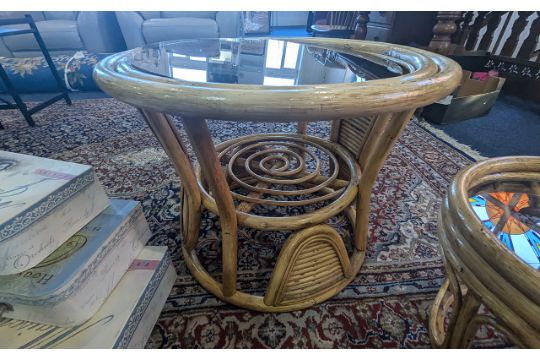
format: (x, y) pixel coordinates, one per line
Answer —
(387, 305)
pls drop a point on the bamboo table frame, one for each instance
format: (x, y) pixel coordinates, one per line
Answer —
(480, 269)
(367, 118)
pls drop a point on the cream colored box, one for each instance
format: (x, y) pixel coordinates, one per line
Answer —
(125, 320)
(69, 286)
(43, 202)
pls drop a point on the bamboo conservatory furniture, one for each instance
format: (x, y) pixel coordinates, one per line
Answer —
(293, 80)
(489, 230)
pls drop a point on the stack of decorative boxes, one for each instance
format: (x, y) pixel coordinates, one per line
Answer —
(74, 269)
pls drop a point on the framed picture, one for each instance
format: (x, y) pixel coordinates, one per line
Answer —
(257, 22)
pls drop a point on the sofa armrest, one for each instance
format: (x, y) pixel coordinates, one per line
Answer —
(99, 31)
(230, 23)
(131, 25)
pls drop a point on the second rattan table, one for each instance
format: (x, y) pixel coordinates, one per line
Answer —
(489, 232)
(278, 80)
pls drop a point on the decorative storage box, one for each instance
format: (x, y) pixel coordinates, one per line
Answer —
(125, 320)
(43, 202)
(69, 286)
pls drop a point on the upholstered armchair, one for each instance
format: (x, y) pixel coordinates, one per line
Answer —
(64, 32)
(145, 27)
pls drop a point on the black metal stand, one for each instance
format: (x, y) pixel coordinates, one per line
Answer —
(19, 103)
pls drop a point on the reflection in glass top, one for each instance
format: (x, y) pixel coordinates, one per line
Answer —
(515, 219)
(253, 61)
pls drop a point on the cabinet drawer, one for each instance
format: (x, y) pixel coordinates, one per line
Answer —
(381, 17)
(377, 33)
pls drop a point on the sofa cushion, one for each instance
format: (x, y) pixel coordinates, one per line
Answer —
(57, 35)
(156, 30)
(189, 14)
(147, 15)
(61, 15)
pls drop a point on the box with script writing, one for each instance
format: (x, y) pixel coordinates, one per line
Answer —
(43, 202)
(69, 286)
(125, 320)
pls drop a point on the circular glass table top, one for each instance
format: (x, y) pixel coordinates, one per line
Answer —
(269, 62)
(514, 217)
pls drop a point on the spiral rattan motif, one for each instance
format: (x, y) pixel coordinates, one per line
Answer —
(285, 170)
(281, 161)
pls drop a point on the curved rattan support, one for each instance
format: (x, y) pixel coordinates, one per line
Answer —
(507, 286)
(439, 310)
(312, 261)
(191, 204)
(267, 303)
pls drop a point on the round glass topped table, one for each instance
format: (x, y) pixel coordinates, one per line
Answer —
(489, 231)
(243, 179)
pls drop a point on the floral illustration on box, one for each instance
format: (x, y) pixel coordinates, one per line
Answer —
(515, 220)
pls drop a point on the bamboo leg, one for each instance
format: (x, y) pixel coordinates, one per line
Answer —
(470, 332)
(302, 127)
(334, 137)
(382, 137)
(457, 298)
(203, 146)
(438, 312)
(480, 320)
(169, 137)
(190, 219)
(463, 319)
(302, 130)
(449, 295)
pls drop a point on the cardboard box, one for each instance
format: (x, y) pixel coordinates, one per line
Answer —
(472, 99)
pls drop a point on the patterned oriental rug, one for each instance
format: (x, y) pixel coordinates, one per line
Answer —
(387, 305)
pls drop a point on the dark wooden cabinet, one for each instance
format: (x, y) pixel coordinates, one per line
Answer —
(401, 27)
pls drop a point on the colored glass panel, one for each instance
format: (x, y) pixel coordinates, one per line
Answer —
(515, 220)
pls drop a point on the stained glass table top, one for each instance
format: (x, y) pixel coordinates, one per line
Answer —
(268, 62)
(515, 219)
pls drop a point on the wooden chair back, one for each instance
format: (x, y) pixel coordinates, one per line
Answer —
(343, 18)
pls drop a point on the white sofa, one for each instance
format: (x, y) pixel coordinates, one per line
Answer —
(145, 27)
(64, 32)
